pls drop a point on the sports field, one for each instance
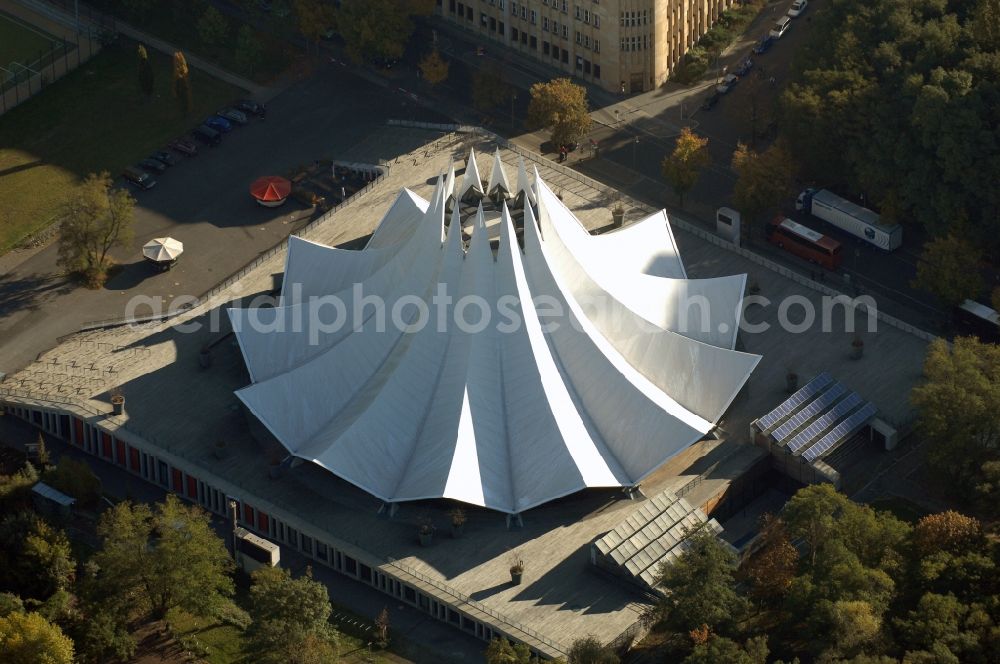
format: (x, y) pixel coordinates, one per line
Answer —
(19, 42)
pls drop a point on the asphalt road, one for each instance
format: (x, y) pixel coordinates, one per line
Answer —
(204, 202)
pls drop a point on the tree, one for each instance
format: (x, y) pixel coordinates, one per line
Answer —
(314, 18)
(182, 82)
(684, 165)
(490, 88)
(560, 106)
(213, 27)
(28, 638)
(10, 603)
(95, 221)
(763, 180)
(502, 651)
(156, 560)
(947, 531)
(377, 29)
(771, 569)
(137, 10)
(248, 49)
(949, 269)
(289, 615)
(145, 72)
(434, 68)
(699, 587)
(720, 649)
(42, 454)
(855, 625)
(963, 439)
(47, 559)
(589, 650)
(76, 479)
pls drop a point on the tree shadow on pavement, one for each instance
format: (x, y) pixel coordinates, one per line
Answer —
(30, 292)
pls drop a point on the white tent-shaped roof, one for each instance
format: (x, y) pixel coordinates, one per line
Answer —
(502, 404)
(498, 178)
(523, 185)
(471, 182)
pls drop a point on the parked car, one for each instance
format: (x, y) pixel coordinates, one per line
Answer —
(206, 135)
(219, 124)
(234, 116)
(781, 27)
(727, 83)
(797, 8)
(164, 156)
(764, 45)
(152, 165)
(185, 146)
(250, 107)
(139, 178)
(744, 67)
(711, 100)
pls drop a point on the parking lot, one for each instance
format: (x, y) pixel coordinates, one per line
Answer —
(204, 202)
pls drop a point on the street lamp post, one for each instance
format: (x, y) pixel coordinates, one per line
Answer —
(635, 144)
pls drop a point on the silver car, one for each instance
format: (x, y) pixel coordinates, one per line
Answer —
(231, 114)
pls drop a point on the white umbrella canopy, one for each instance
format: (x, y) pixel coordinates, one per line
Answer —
(163, 249)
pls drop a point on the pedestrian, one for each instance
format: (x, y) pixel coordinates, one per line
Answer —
(772, 80)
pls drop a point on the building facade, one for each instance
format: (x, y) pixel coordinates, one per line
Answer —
(625, 46)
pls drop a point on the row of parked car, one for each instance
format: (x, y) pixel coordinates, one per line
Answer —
(763, 46)
(208, 133)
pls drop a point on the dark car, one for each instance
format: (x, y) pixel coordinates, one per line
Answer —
(152, 165)
(163, 156)
(711, 100)
(250, 107)
(236, 117)
(185, 146)
(139, 178)
(219, 124)
(766, 42)
(744, 67)
(206, 135)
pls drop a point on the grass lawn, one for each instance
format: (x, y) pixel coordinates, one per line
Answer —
(19, 42)
(222, 644)
(93, 119)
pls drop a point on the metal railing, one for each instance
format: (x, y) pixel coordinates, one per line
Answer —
(462, 597)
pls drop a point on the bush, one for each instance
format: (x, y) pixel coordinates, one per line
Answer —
(76, 479)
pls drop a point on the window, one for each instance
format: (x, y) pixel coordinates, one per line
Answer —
(533, 43)
(483, 19)
(565, 57)
(565, 31)
(555, 27)
(579, 63)
(524, 37)
(564, 6)
(555, 52)
(579, 37)
(586, 41)
(545, 47)
(500, 3)
(624, 44)
(586, 16)
(545, 23)
(500, 28)
(524, 12)
(513, 34)
(451, 6)
(468, 14)
(597, 46)
(597, 21)
(513, 9)
(534, 17)
(578, 12)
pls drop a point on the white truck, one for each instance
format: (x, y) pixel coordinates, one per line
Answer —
(847, 216)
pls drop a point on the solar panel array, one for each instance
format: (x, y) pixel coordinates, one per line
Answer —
(799, 419)
(653, 534)
(824, 422)
(787, 407)
(842, 431)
